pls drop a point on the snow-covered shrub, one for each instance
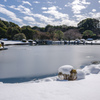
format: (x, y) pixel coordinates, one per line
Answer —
(65, 69)
(80, 74)
(73, 75)
(67, 72)
(1, 82)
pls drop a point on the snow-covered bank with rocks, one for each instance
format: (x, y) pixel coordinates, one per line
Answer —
(54, 89)
(10, 42)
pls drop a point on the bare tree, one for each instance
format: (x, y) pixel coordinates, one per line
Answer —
(72, 34)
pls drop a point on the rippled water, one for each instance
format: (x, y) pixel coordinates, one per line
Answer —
(33, 61)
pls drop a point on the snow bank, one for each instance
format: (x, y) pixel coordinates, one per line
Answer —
(90, 69)
(47, 89)
(87, 89)
(65, 69)
(48, 79)
(10, 42)
(80, 74)
(1, 82)
(94, 69)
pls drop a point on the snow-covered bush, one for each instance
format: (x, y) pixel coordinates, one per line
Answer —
(67, 72)
(80, 74)
(65, 69)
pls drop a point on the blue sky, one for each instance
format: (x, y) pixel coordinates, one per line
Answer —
(43, 12)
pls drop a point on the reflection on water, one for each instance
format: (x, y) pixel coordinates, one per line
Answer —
(33, 61)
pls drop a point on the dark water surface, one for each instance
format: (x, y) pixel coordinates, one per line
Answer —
(40, 61)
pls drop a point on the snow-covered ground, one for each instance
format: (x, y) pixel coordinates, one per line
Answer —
(10, 42)
(53, 89)
(94, 41)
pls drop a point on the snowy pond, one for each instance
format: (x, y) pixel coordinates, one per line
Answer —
(29, 62)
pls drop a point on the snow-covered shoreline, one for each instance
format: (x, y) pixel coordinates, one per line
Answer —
(52, 89)
(11, 42)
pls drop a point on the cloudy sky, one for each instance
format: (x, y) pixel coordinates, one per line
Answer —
(43, 12)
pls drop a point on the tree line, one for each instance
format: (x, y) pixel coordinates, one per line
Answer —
(87, 28)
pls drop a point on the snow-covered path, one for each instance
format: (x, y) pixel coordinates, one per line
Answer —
(86, 89)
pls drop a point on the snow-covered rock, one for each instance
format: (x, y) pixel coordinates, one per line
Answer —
(47, 79)
(80, 74)
(86, 70)
(94, 69)
(65, 69)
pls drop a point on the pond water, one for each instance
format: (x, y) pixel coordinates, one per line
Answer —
(38, 61)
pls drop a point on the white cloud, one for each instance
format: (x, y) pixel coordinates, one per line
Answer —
(12, 6)
(80, 17)
(31, 8)
(52, 8)
(66, 5)
(49, 2)
(5, 0)
(28, 12)
(27, 18)
(78, 5)
(2, 5)
(84, 2)
(78, 8)
(3, 19)
(22, 9)
(95, 15)
(44, 8)
(37, 24)
(36, 2)
(93, 10)
(59, 18)
(53, 11)
(43, 18)
(26, 2)
(69, 22)
(99, 1)
(10, 14)
(55, 17)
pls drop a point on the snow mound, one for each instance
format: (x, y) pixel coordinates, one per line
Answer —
(65, 69)
(1, 82)
(47, 79)
(80, 74)
(94, 69)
